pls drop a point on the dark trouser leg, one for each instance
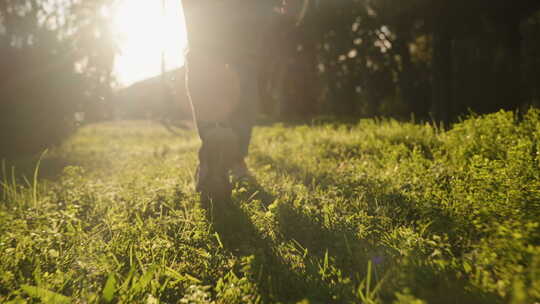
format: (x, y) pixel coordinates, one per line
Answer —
(224, 101)
(213, 87)
(244, 139)
(214, 93)
(244, 115)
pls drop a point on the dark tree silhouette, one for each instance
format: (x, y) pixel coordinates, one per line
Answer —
(55, 59)
(436, 59)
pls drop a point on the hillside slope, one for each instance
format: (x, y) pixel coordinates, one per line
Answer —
(374, 212)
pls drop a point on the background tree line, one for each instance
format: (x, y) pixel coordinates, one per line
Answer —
(433, 59)
(56, 58)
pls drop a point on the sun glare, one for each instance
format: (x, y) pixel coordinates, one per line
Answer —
(143, 32)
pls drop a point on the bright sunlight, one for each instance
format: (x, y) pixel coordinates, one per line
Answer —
(143, 32)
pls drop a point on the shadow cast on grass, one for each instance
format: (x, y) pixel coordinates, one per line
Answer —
(380, 199)
(50, 168)
(402, 209)
(21, 172)
(278, 279)
(351, 254)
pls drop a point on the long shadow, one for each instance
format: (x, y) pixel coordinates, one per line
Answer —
(398, 207)
(403, 209)
(349, 252)
(278, 281)
(50, 167)
(21, 172)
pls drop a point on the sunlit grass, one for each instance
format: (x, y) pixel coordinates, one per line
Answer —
(373, 212)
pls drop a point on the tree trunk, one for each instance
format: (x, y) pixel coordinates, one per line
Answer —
(515, 94)
(442, 75)
(406, 72)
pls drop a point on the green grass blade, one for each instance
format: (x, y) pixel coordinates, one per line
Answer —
(46, 296)
(110, 289)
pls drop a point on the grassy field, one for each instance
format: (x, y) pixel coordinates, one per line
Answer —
(372, 212)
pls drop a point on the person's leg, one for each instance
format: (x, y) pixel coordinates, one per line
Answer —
(244, 116)
(213, 87)
(213, 90)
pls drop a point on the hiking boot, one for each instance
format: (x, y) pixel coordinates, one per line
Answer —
(239, 171)
(215, 159)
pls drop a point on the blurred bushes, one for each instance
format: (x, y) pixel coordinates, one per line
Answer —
(54, 60)
(436, 59)
(37, 104)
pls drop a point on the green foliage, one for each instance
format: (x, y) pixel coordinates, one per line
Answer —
(373, 212)
(56, 58)
(45, 295)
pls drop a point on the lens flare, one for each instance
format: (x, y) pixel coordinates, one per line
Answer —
(143, 32)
